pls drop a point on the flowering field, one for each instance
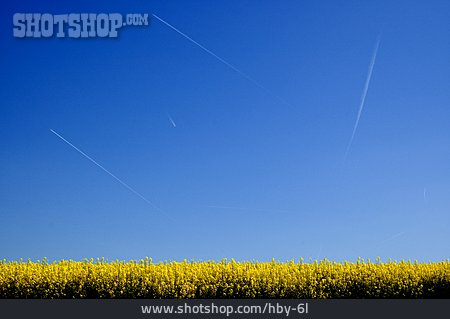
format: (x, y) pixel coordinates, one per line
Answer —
(226, 279)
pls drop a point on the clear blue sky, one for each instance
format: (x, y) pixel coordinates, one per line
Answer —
(243, 175)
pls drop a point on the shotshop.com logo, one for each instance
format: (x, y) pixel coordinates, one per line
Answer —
(73, 25)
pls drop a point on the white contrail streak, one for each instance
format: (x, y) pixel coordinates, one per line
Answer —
(320, 251)
(109, 173)
(221, 60)
(425, 195)
(249, 209)
(391, 238)
(364, 94)
(171, 120)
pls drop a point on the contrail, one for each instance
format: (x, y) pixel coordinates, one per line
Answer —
(109, 173)
(223, 61)
(320, 251)
(171, 120)
(391, 238)
(425, 195)
(249, 209)
(364, 94)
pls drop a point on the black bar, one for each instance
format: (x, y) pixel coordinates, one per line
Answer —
(273, 308)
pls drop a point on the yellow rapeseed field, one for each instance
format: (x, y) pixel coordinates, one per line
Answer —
(225, 279)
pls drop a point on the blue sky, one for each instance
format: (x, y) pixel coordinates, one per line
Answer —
(242, 174)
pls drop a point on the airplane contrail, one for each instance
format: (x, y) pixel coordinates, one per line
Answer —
(249, 209)
(109, 173)
(364, 94)
(425, 195)
(223, 61)
(320, 251)
(171, 120)
(391, 238)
